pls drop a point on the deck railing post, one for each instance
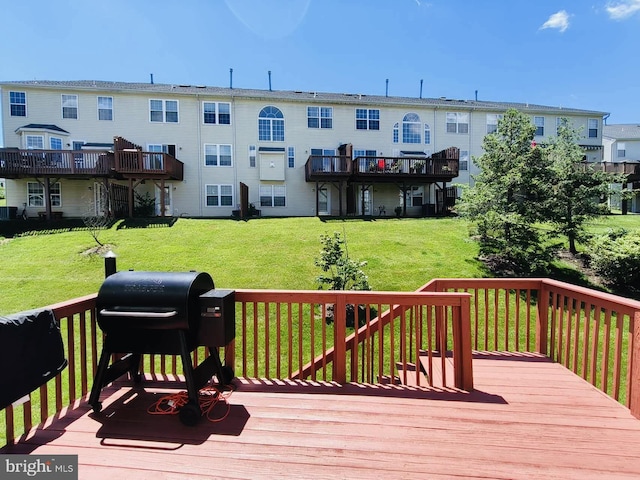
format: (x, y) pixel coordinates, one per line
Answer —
(634, 366)
(542, 319)
(462, 353)
(339, 339)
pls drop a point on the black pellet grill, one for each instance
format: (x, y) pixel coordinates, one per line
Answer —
(169, 313)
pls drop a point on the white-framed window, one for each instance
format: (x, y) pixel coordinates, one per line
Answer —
(69, 106)
(216, 113)
(35, 194)
(105, 108)
(559, 121)
(219, 195)
(457, 122)
(464, 160)
(427, 134)
(34, 142)
(217, 155)
(273, 195)
(411, 127)
(18, 104)
(271, 125)
(291, 157)
(367, 119)
(492, 122)
(592, 125)
(622, 150)
(539, 123)
(320, 117)
(252, 156)
(55, 143)
(163, 111)
(396, 132)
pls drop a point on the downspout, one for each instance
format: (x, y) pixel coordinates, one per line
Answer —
(200, 160)
(235, 160)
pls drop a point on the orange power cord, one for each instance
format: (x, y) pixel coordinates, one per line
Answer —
(208, 397)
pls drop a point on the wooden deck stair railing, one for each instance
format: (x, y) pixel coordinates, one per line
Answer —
(404, 327)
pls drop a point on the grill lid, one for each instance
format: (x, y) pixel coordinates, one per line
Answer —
(151, 300)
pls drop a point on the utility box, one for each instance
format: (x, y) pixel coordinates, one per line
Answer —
(218, 322)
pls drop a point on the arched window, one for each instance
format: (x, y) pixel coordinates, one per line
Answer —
(396, 135)
(411, 128)
(271, 125)
(427, 134)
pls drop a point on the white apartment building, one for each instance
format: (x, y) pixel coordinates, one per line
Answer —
(72, 147)
(622, 155)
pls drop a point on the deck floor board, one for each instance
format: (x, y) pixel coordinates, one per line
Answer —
(528, 418)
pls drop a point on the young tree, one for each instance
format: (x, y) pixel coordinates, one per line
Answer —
(578, 188)
(505, 200)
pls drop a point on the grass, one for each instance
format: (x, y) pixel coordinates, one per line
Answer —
(49, 266)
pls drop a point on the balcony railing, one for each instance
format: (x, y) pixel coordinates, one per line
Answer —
(443, 165)
(285, 334)
(409, 166)
(148, 164)
(624, 168)
(15, 163)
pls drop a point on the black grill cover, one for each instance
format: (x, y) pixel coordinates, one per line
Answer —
(140, 311)
(31, 353)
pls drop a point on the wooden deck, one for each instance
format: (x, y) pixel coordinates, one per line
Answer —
(528, 418)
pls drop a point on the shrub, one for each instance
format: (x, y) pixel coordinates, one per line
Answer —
(615, 256)
(342, 273)
(145, 205)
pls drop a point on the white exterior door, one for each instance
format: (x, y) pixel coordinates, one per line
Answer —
(168, 201)
(100, 199)
(366, 197)
(324, 201)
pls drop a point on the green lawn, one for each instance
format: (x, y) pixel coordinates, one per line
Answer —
(402, 254)
(41, 269)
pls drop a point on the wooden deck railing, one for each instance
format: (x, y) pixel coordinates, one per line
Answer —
(284, 334)
(594, 334)
(19, 163)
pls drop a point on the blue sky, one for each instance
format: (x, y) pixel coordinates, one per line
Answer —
(573, 53)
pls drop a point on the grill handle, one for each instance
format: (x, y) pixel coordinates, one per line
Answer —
(137, 313)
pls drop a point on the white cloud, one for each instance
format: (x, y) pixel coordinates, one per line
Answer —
(623, 9)
(559, 20)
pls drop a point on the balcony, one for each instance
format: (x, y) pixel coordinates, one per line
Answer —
(123, 163)
(442, 166)
(630, 169)
(16, 163)
(469, 378)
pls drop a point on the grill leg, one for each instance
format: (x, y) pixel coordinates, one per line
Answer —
(98, 381)
(187, 367)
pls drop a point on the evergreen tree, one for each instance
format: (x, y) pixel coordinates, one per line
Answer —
(579, 190)
(506, 198)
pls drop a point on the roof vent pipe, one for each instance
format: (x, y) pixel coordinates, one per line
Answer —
(269, 80)
(421, 80)
(151, 74)
(386, 92)
(476, 95)
(231, 78)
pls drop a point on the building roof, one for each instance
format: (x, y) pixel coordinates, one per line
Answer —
(622, 131)
(43, 126)
(300, 96)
